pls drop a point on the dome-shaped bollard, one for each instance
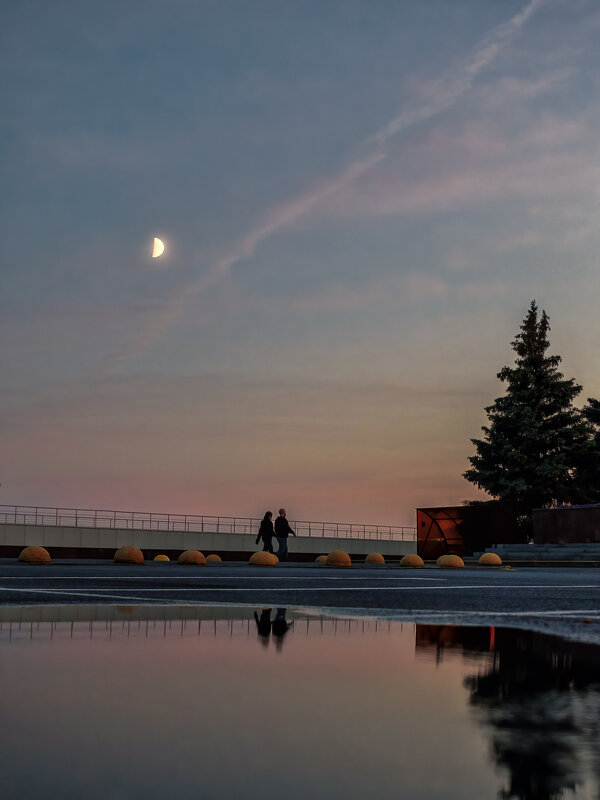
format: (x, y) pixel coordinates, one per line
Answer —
(338, 559)
(213, 558)
(161, 557)
(192, 557)
(450, 562)
(321, 559)
(263, 559)
(34, 555)
(128, 554)
(412, 560)
(374, 558)
(490, 560)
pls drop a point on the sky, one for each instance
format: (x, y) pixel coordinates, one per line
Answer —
(359, 199)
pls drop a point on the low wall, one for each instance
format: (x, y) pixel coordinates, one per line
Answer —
(565, 525)
(75, 542)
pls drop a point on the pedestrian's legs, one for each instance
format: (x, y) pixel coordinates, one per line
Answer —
(268, 548)
(282, 552)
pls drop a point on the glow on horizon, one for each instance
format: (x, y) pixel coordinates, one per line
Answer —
(360, 205)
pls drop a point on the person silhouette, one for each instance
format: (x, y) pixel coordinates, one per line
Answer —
(265, 532)
(282, 531)
(263, 625)
(280, 627)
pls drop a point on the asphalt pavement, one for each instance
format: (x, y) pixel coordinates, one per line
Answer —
(564, 600)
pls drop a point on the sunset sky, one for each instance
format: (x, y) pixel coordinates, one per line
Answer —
(359, 199)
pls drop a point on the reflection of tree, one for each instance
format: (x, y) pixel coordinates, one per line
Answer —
(541, 698)
(540, 695)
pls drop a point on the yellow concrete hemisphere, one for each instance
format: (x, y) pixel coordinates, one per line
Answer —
(263, 559)
(34, 555)
(192, 557)
(321, 559)
(450, 562)
(161, 557)
(490, 560)
(213, 558)
(128, 554)
(374, 558)
(338, 559)
(411, 560)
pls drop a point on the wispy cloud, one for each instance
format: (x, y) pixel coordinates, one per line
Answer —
(443, 95)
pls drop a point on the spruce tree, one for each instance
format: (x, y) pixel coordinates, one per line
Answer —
(531, 447)
(588, 468)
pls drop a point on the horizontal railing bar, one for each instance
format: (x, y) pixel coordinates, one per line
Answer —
(160, 521)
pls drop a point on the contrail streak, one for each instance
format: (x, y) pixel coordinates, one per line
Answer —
(449, 91)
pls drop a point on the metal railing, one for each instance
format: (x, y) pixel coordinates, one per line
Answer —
(195, 523)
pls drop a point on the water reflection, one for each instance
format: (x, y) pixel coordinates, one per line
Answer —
(538, 697)
(365, 707)
(278, 627)
(106, 622)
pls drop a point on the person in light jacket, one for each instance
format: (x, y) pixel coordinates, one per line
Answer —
(282, 531)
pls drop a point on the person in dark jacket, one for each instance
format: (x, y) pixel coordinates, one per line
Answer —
(282, 531)
(263, 625)
(280, 626)
(265, 532)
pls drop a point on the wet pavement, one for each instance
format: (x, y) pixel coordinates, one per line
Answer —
(562, 600)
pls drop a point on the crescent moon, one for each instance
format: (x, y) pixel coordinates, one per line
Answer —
(158, 248)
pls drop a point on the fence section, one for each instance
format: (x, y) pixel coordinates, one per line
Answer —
(195, 523)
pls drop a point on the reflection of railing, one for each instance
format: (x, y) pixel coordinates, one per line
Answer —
(185, 627)
(195, 523)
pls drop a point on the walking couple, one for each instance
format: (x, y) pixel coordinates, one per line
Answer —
(282, 531)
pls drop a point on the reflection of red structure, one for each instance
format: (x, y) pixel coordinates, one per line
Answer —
(439, 531)
(455, 637)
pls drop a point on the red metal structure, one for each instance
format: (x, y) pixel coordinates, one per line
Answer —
(440, 531)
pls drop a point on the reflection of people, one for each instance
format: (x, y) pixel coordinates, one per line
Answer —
(282, 531)
(265, 532)
(280, 627)
(263, 625)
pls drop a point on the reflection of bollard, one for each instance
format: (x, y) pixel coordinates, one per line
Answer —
(321, 559)
(411, 560)
(34, 555)
(490, 560)
(338, 559)
(450, 561)
(263, 559)
(192, 557)
(128, 554)
(374, 558)
(161, 557)
(213, 558)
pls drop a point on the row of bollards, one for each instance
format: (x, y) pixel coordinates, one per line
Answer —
(128, 554)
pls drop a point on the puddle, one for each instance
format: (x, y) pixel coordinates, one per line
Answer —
(155, 701)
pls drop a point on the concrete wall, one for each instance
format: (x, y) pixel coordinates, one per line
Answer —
(566, 524)
(109, 539)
